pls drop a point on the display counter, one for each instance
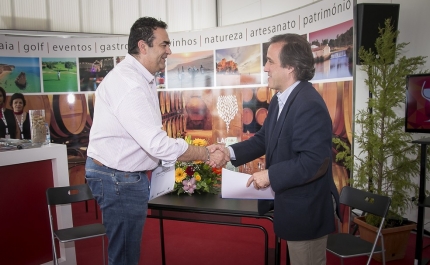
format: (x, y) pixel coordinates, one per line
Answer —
(25, 175)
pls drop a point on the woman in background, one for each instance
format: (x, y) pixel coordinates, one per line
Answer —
(17, 102)
(7, 119)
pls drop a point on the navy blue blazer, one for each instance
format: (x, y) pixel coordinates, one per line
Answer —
(298, 150)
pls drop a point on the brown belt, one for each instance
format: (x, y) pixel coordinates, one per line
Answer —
(98, 163)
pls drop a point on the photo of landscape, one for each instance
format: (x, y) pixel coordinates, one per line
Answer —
(20, 74)
(192, 69)
(333, 51)
(59, 75)
(238, 66)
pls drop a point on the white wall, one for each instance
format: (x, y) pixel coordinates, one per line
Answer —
(239, 11)
(116, 16)
(102, 16)
(413, 28)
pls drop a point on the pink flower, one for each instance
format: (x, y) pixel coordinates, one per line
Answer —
(189, 185)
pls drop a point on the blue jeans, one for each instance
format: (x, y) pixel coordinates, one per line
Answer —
(123, 200)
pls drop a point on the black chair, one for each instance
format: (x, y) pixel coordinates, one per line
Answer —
(67, 195)
(347, 245)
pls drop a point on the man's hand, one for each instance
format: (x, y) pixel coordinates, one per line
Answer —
(260, 180)
(219, 155)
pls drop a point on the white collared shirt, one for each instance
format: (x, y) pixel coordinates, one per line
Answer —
(126, 133)
(283, 97)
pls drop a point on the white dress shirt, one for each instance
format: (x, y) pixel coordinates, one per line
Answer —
(283, 97)
(126, 133)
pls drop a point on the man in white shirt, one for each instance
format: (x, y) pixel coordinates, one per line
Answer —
(127, 140)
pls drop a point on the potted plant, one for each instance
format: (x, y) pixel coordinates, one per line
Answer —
(386, 161)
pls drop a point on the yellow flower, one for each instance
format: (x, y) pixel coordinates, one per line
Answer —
(197, 176)
(200, 142)
(180, 175)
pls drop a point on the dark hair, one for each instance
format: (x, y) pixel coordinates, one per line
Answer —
(3, 92)
(296, 53)
(143, 29)
(17, 96)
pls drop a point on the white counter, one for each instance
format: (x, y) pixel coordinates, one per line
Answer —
(58, 155)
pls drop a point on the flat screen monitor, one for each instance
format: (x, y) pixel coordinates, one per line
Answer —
(417, 115)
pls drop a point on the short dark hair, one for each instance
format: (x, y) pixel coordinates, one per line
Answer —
(296, 53)
(17, 96)
(143, 29)
(3, 92)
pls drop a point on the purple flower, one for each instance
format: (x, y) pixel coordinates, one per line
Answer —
(189, 185)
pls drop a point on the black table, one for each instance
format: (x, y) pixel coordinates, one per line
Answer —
(210, 209)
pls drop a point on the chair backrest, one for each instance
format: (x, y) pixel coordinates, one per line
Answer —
(365, 201)
(68, 194)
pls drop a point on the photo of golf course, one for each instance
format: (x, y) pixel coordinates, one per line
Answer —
(59, 75)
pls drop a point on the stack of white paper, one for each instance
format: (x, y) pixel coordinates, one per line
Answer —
(233, 186)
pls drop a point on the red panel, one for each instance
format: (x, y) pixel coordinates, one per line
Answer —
(24, 222)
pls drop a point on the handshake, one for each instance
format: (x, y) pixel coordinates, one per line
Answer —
(219, 155)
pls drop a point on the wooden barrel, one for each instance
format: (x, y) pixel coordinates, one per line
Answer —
(167, 101)
(178, 125)
(91, 101)
(172, 101)
(247, 116)
(184, 123)
(174, 129)
(69, 117)
(165, 126)
(162, 101)
(169, 128)
(260, 115)
(39, 103)
(247, 94)
(262, 94)
(183, 100)
(76, 174)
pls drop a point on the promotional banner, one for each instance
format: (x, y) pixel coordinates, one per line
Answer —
(214, 86)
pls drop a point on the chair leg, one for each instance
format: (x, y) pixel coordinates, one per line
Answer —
(95, 208)
(54, 254)
(104, 255)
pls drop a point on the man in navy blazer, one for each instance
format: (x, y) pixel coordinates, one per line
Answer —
(296, 139)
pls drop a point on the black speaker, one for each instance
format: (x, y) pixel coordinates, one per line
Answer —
(370, 17)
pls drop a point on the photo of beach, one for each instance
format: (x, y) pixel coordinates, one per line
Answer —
(192, 69)
(333, 51)
(238, 66)
(59, 75)
(92, 71)
(20, 74)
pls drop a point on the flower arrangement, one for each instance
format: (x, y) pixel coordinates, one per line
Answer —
(196, 176)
